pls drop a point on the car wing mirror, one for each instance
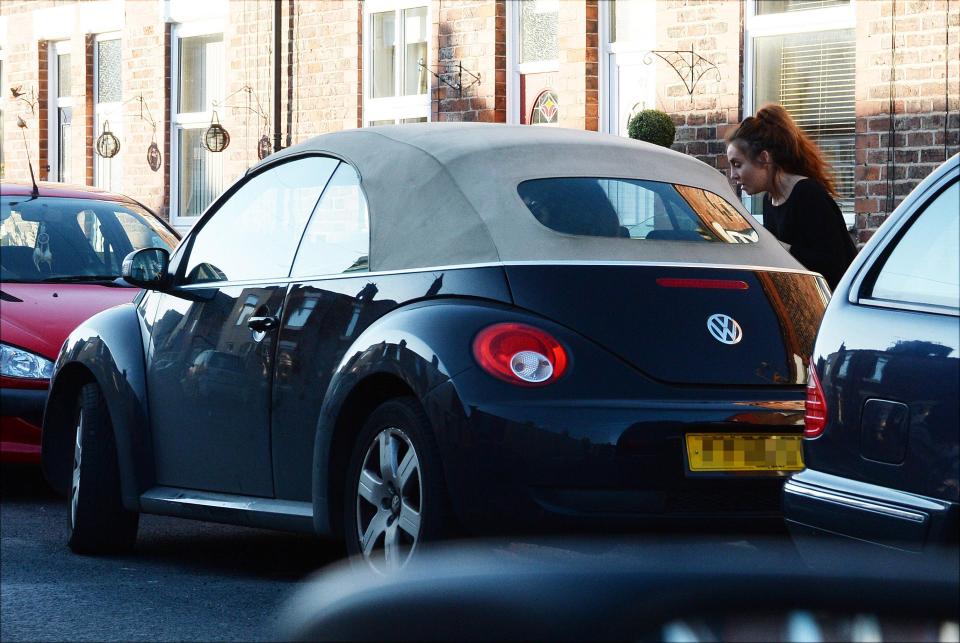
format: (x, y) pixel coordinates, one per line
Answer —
(147, 268)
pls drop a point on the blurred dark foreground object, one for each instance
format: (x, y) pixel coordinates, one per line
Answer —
(589, 590)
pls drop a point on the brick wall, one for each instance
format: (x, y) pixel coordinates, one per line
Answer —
(578, 90)
(471, 33)
(711, 28)
(324, 63)
(908, 61)
(145, 68)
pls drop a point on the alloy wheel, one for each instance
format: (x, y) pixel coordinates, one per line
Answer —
(77, 457)
(389, 501)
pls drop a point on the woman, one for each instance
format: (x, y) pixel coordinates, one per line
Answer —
(769, 153)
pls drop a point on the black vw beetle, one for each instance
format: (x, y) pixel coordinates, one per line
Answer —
(382, 333)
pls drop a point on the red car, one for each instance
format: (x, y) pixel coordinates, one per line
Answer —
(61, 249)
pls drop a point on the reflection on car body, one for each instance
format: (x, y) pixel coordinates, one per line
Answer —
(420, 345)
(884, 447)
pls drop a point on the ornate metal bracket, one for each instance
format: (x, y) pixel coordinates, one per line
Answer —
(154, 157)
(30, 98)
(688, 65)
(453, 70)
(253, 105)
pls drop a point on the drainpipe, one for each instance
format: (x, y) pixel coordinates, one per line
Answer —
(277, 46)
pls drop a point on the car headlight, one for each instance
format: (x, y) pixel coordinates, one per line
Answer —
(16, 362)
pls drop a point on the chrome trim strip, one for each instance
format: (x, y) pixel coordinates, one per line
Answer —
(248, 504)
(800, 490)
(493, 264)
(908, 306)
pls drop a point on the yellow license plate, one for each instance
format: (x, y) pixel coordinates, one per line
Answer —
(744, 452)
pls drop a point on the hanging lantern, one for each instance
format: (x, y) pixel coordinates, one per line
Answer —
(107, 144)
(153, 156)
(216, 139)
(263, 147)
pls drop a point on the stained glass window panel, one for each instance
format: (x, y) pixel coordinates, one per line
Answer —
(545, 110)
(538, 30)
(63, 75)
(108, 71)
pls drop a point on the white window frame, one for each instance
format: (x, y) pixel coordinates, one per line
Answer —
(614, 54)
(782, 24)
(55, 103)
(107, 173)
(395, 108)
(514, 68)
(3, 113)
(185, 120)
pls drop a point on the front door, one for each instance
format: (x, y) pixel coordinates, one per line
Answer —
(213, 338)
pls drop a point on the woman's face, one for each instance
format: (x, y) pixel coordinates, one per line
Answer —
(754, 176)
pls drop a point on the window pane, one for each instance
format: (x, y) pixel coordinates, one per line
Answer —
(63, 75)
(924, 268)
(384, 58)
(418, 119)
(338, 237)
(633, 21)
(415, 51)
(813, 76)
(255, 232)
(108, 71)
(201, 72)
(201, 173)
(781, 6)
(634, 209)
(538, 30)
(65, 117)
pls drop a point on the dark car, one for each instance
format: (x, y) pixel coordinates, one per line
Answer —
(61, 250)
(707, 589)
(489, 326)
(883, 426)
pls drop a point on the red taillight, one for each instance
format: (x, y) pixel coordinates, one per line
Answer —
(720, 284)
(815, 410)
(520, 354)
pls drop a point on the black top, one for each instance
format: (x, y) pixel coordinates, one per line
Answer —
(811, 222)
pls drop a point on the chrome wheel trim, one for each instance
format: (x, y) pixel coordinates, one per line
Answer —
(389, 501)
(77, 458)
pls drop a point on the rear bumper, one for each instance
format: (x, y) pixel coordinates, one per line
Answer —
(817, 504)
(20, 424)
(587, 463)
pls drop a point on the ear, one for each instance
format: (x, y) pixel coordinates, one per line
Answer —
(765, 158)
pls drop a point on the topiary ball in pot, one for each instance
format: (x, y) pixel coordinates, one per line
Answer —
(652, 126)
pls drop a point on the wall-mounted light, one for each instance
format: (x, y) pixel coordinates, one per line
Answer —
(216, 138)
(107, 144)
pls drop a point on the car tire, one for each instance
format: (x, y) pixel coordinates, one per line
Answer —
(99, 524)
(394, 502)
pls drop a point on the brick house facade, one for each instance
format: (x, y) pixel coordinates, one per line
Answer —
(887, 104)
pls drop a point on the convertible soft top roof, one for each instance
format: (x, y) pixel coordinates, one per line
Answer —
(446, 194)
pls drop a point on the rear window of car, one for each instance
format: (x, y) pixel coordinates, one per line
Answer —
(634, 209)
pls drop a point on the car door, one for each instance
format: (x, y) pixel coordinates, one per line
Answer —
(213, 340)
(894, 380)
(331, 301)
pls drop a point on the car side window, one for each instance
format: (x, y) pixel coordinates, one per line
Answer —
(337, 239)
(924, 266)
(254, 234)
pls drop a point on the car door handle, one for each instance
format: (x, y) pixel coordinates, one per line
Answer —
(261, 324)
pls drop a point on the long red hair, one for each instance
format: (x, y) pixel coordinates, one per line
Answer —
(772, 130)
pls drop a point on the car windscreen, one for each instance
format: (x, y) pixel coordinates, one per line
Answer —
(50, 239)
(634, 209)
